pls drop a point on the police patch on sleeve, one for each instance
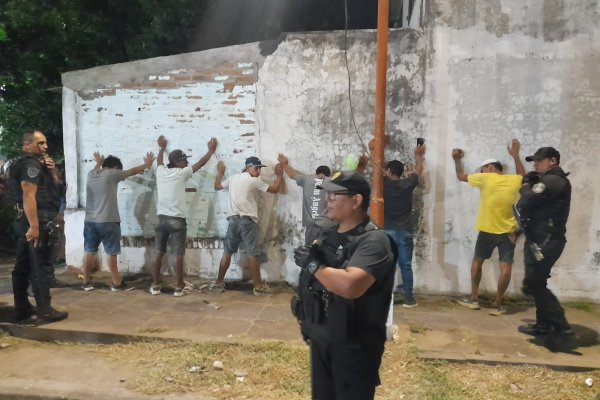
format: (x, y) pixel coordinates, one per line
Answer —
(32, 172)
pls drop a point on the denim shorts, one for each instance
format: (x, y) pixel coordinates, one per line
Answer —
(487, 242)
(107, 233)
(173, 229)
(242, 230)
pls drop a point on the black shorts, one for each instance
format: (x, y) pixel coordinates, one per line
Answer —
(487, 242)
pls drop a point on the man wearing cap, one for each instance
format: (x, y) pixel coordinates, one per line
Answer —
(397, 220)
(244, 189)
(495, 221)
(544, 210)
(344, 294)
(172, 210)
(314, 202)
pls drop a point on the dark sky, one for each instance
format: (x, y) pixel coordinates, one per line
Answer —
(228, 22)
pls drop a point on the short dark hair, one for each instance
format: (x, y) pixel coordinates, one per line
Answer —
(366, 202)
(28, 137)
(497, 165)
(323, 169)
(396, 167)
(112, 162)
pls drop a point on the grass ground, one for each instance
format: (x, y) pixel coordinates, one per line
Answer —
(276, 370)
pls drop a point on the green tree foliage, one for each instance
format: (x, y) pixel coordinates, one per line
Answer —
(40, 39)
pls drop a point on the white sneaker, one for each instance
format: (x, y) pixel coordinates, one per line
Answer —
(154, 290)
(179, 292)
(215, 287)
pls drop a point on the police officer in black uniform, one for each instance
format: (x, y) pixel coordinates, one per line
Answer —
(544, 209)
(37, 202)
(344, 294)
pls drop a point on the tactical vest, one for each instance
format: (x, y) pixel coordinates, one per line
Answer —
(323, 314)
(47, 197)
(552, 215)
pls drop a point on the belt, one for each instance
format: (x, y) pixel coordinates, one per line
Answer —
(232, 217)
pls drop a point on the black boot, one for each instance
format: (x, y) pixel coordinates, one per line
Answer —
(562, 341)
(535, 329)
(51, 316)
(23, 314)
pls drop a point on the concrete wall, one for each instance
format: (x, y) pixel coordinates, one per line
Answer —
(261, 98)
(479, 74)
(504, 69)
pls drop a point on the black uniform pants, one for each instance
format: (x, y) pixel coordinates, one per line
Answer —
(31, 266)
(345, 370)
(549, 312)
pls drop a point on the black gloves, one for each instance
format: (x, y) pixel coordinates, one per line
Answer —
(308, 258)
(532, 178)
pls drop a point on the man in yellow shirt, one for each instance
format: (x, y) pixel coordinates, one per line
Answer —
(495, 221)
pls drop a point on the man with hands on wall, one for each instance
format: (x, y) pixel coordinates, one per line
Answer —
(172, 210)
(244, 189)
(102, 222)
(495, 221)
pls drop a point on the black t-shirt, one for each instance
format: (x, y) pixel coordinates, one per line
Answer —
(372, 253)
(397, 202)
(551, 201)
(30, 169)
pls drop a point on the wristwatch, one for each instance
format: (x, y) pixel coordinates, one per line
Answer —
(312, 267)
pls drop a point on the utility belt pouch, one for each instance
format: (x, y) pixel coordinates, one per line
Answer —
(46, 216)
(297, 307)
(338, 310)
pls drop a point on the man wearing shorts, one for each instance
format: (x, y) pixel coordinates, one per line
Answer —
(172, 210)
(102, 221)
(244, 189)
(495, 221)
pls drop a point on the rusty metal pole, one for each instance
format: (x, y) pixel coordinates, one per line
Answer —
(379, 139)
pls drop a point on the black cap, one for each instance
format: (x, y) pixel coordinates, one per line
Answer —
(347, 181)
(253, 162)
(177, 155)
(544, 152)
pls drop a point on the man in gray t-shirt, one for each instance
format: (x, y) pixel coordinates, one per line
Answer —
(314, 201)
(102, 221)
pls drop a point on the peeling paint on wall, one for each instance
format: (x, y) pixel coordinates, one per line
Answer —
(482, 73)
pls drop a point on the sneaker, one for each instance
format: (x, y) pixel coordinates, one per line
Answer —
(120, 288)
(263, 291)
(217, 287)
(409, 303)
(496, 312)
(154, 290)
(469, 303)
(88, 286)
(179, 292)
(535, 330)
(52, 316)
